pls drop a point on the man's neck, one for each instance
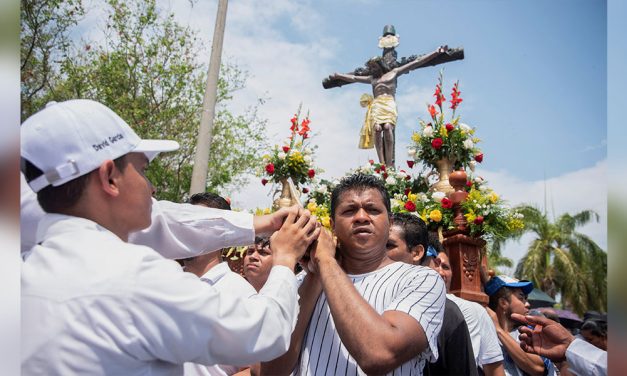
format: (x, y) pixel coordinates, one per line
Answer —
(200, 265)
(366, 262)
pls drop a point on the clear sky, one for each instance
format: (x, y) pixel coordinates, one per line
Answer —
(533, 82)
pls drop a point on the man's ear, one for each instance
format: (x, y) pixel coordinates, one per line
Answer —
(108, 175)
(417, 252)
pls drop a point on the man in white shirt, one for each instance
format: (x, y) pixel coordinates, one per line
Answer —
(485, 343)
(364, 313)
(93, 303)
(210, 269)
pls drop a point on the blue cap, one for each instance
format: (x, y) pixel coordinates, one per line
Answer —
(431, 252)
(495, 283)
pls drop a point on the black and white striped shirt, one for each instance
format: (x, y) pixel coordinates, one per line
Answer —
(415, 290)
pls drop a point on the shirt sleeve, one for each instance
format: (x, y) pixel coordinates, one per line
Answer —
(586, 359)
(423, 299)
(178, 318)
(490, 348)
(184, 230)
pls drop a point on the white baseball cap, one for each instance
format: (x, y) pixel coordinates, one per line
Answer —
(69, 139)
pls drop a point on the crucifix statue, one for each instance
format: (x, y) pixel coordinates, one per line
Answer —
(382, 72)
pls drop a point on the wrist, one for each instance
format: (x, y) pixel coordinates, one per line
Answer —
(284, 260)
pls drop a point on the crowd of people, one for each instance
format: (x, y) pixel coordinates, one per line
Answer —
(102, 293)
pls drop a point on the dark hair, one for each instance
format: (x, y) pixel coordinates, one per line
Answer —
(65, 196)
(210, 200)
(434, 241)
(414, 230)
(504, 292)
(359, 182)
(596, 327)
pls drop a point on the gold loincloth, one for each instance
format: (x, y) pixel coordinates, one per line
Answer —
(380, 110)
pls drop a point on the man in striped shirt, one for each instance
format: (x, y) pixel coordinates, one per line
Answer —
(361, 312)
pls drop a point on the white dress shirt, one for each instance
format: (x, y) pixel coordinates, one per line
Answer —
(222, 278)
(177, 230)
(586, 359)
(95, 305)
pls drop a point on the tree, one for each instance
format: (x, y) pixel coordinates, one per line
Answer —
(146, 69)
(45, 26)
(562, 261)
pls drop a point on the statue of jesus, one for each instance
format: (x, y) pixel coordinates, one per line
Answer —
(382, 73)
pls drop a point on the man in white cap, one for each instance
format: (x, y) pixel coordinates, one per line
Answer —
(94, 304)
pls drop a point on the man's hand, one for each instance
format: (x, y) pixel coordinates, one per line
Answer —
(269, 223)
(325, 249)
(547, 338)
(298, 231)
(494, 318)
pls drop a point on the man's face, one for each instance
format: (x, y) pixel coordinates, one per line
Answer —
(518, 303)
(136, 191)
(257, 264)
(397, 247)
(444, 268)
(361, 221)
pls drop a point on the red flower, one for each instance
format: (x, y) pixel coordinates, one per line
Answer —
(437, 143)
(446, 203)
(311, 173)
(264, 181)
(377, 170)
(407, 177)
(305, 190)
(410, 206)
(294, 121)
(304, 128)
(371, 161)
(468, 184)
(385, 175)
(286, 149)
(410, 164)
(270, 168)
(479, 157)
(449, 127)
(455, 99)
(432, 111)
(479, 220)
(407, 191)
(382, 167)
(439, 98)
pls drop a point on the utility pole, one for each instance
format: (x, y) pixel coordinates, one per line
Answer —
(205, 131)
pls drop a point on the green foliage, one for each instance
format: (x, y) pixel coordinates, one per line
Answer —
(147, 70)
(562, 260)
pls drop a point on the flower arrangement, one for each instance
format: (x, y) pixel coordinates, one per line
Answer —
(440, 138)
(486, 213)
(293, 159)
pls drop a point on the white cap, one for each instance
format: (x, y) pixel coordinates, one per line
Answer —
(69, 139)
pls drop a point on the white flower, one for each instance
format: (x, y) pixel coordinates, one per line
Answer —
(401, 175)
(472, 165)
(483, 188)
(411, 152)
(322, 189)
(336, 182)
(395, 203)
(428, 131)
(308, 159)
(281, 155)
(367, 167)
(438, 196)
(287, 141)
(479, 180)
(468, 144)
(465, 127)
(390, 180)
(423, 197)
(388, 41)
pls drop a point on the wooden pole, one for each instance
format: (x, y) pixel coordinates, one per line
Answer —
(205, 131)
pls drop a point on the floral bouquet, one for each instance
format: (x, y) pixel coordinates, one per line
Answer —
(293, 159)
(445, 139)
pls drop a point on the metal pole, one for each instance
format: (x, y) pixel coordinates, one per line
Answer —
(205, 134)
